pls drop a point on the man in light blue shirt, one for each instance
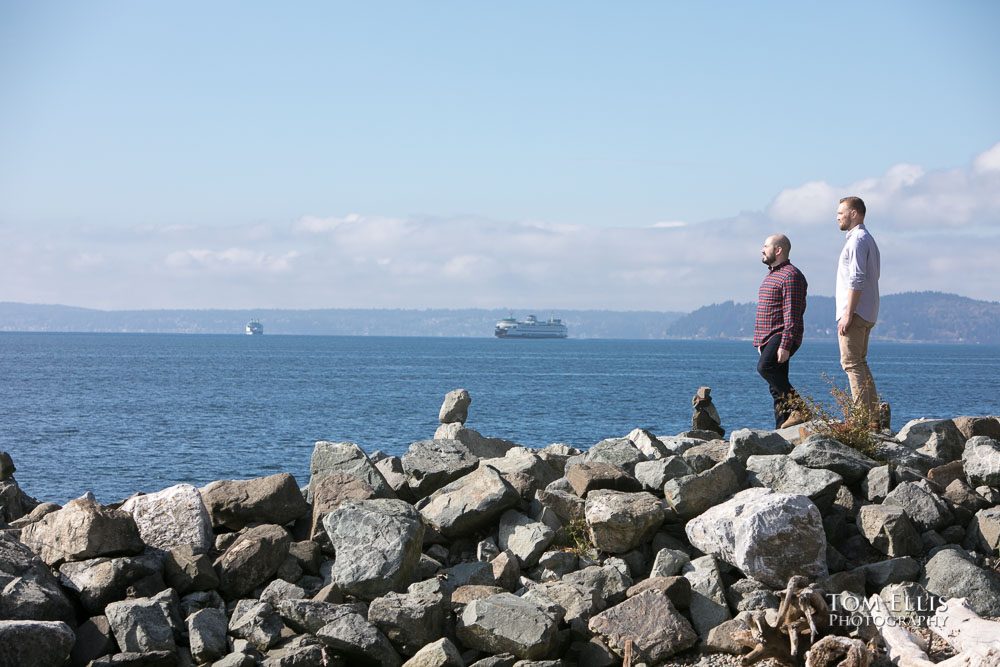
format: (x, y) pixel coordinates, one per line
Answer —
(857, 303)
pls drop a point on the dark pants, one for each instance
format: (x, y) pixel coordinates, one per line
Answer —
(777, 378)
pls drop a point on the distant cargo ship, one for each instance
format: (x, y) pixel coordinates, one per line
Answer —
(530, 328)
(254, 328)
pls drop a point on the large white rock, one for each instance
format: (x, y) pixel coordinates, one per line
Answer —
(769, 536)
(172, 518)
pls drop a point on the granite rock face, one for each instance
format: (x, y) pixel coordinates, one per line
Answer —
(29, 590)
(981, 459)
(233, 504)
(768, 536)
(81, 530)
(619, 522)
(468, 503)
(378, 546)
(251, 560)
(349, 459)
(507, 623)
(171, 518)
(650, 620)
(35, 643)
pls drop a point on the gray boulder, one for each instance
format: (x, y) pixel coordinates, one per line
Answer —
(925, 508)
(619, 522)
(981, 459)
(186, 571)
(829, 454)
(81, 530)
(251, 560)
(235, 503)
(877, 483)
(584, 477)
(359, 641)
(651, 621)
(477, 443)
(409, 620)
(669, 562)
(984, 530)
(378, 545)
(939, 438)
(769, 536)
(648, 444)
(691, 495)
(609, 583)
(889, 530)
(523, 469)
(972, 426)
(507, 623)
(207, 634)
(171, 518)
(15, 504)
(469, 503)
(35, 643)
(950, 574)
(704, 455)
(892, 571)
(431, 464)
(745, 443)
(455, 407)
(574, 601)
(441, 653)
(620, 452)
(257, 623)
(902, 456)
(708, 607)
(100, 581)
(29, 590)
(141, 625)
(349, 459)
(93, 640)
(784, 475)
(654, 474)
(308, 616)
(333, 490)
(525, 538)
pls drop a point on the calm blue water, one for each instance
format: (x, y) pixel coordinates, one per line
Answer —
(119, 413)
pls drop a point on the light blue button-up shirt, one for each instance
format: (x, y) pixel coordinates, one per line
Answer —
(858, 269)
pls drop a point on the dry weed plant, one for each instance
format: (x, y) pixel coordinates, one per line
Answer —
(852, 424)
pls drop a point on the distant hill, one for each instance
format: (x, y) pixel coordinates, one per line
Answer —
(467, 322)
(911, 316)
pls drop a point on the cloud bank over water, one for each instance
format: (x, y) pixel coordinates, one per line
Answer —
(938, 229)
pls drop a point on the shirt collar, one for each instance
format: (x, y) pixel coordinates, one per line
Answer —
(854, 231)
(774, 268)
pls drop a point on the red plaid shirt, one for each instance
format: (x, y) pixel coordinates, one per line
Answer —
(781, 303)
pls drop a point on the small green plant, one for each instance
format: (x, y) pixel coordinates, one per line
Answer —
(852, 424)
(576, 538)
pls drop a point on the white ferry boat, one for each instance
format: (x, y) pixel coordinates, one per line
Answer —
(254, 328)
(530, 328)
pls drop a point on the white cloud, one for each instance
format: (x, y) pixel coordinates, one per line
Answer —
(938, 230)
(987, 161)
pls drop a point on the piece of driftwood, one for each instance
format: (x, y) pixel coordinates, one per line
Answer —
(976, 639)
(833, 651)
(803, 611)
(764, 641)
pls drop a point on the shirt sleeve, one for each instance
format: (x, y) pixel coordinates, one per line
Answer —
(793, 307)
(857, 256)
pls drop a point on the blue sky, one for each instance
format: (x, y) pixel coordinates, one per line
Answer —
(556, 155)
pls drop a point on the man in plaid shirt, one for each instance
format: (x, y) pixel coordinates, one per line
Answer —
(777, 333)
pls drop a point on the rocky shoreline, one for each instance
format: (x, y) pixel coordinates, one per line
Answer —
(472, 550)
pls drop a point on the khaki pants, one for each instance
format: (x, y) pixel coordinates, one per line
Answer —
(853, 359)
